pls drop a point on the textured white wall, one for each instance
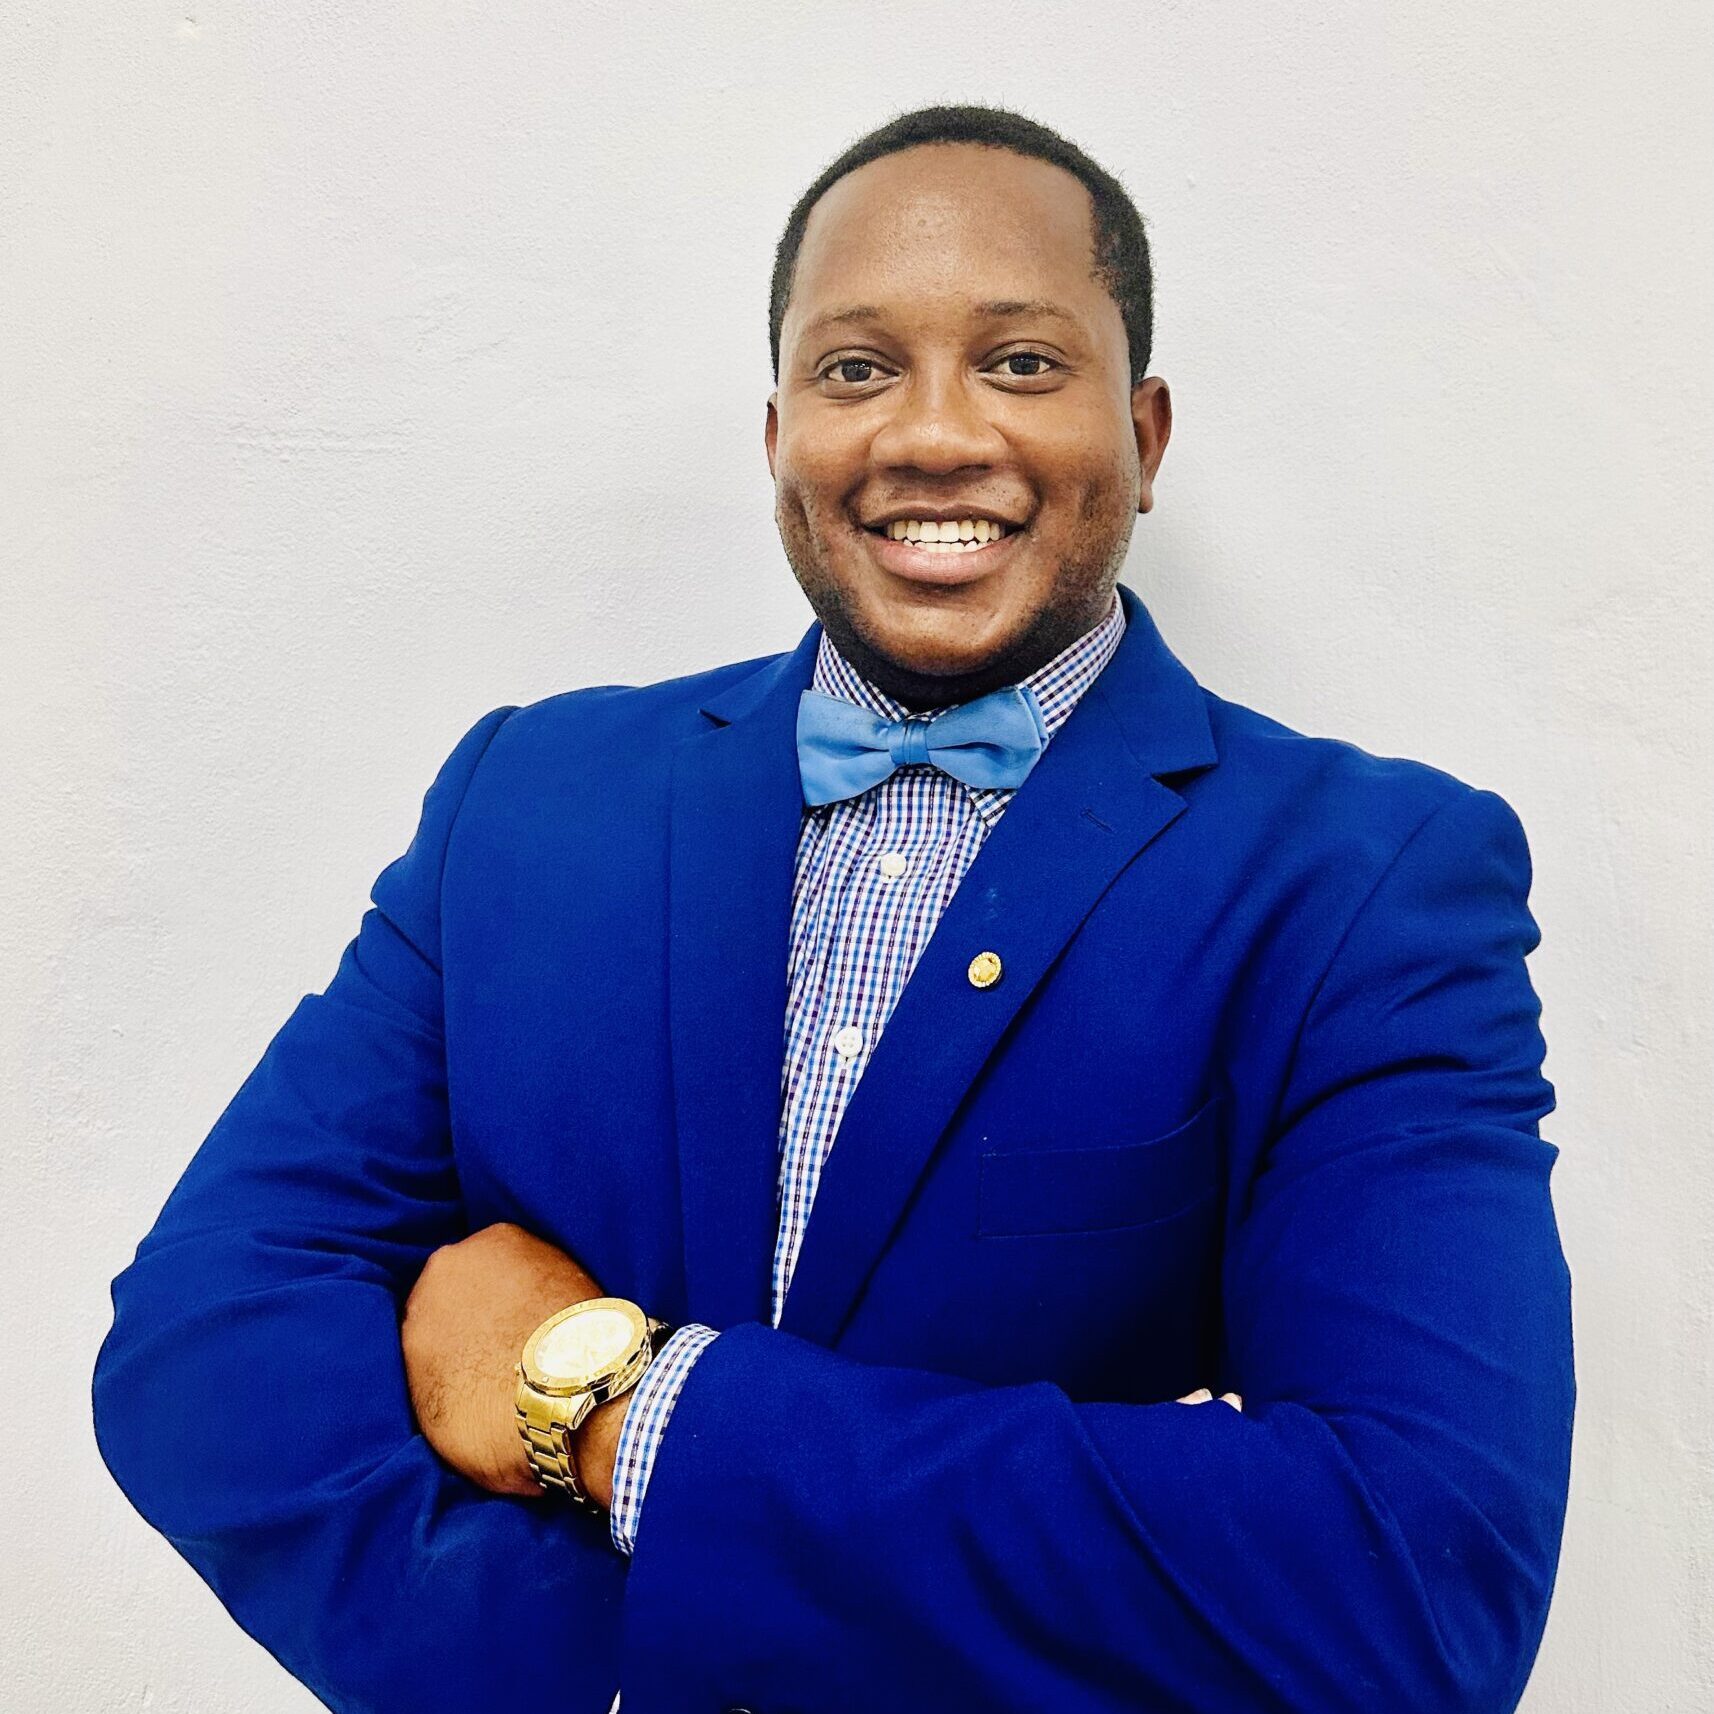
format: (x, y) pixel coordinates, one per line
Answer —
(362, 368)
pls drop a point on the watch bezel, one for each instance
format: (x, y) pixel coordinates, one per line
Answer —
(593, 1379)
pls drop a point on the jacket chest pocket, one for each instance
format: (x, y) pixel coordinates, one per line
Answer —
(1101, 1187)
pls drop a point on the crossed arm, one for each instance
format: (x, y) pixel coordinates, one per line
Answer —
(466, 1321)
(1379, 1527)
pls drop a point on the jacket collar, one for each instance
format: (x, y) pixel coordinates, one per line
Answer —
(1158, 705)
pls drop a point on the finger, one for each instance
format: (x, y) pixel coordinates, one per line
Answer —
(1233, 1400)
(1200, 1397)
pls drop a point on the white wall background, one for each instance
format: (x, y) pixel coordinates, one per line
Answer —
(365, 367)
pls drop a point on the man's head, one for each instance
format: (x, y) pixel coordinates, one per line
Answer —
(960, 326)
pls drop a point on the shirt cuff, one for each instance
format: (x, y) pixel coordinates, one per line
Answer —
(652, 1401)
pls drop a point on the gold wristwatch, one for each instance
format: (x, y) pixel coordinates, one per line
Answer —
(574, 1361)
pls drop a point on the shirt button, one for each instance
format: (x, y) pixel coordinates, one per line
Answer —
(849, 1042)
(893, 864)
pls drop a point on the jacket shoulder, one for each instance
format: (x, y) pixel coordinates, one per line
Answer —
(600, 718)
(1351, 805)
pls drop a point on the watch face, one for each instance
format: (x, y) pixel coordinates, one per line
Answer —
(586, 1343)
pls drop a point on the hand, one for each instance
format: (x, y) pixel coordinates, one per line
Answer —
(465, 1324)
(1203, 1396)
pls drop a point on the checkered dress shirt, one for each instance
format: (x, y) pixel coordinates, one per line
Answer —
(874, 873)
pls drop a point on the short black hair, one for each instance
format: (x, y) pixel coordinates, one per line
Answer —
(1121, 244)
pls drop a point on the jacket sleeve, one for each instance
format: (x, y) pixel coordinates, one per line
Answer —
(250, 1398)
(1380, 1526)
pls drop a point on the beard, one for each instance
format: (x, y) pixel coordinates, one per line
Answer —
(1077, 599)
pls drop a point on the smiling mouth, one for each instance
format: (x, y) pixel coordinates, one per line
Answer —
(958, 553)
(968, 535)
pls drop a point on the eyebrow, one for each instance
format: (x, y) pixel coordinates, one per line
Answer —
(998, 309)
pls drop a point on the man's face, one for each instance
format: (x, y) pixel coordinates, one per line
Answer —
(947, 354)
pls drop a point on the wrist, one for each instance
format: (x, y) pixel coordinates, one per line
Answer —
(574, 1382)
(595, 1447)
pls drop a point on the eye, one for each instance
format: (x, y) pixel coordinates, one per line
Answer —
(850, 371)
(1047, 363)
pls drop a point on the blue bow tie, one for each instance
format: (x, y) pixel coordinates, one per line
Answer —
(843, 750)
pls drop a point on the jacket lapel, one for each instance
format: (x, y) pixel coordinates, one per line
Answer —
(1093, 802)
(736, 811)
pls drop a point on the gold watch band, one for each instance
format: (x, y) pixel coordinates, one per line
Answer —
(546, 1424)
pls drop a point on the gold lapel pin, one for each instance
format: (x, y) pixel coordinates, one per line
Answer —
(984, 970)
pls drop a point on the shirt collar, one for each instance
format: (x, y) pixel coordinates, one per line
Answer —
(1058, 685)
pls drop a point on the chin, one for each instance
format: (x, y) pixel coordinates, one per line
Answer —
(942, 645)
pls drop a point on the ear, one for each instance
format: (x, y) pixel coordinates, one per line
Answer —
(1151, 417)
(771, 432)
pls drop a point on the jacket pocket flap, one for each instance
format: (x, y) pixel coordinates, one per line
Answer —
(1104, 1186)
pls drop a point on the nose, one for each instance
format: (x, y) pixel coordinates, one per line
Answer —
(938, 424)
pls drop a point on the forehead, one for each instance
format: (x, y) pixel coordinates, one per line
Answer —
(949, 223)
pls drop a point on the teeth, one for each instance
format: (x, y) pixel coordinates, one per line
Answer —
(966, 532)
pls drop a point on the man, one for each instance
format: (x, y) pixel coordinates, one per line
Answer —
(949, 1052)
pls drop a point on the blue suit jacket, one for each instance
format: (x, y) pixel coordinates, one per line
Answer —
(1254, 1105)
